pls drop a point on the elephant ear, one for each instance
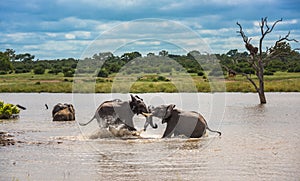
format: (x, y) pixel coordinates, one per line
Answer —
(168, 112)
(133, 99)
(133, 104)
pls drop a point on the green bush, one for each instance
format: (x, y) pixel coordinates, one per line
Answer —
(39, 70)
(7, 110)
(294, 69)
(21, 70)
(162, 78)
(200, 73)
(102, 73)
(68, 72)
(54, 71)
(267, 72)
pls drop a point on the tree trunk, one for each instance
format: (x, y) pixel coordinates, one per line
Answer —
(261, 89)
(262, 97)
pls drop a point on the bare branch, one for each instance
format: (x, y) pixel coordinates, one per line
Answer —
(252, 49)
(241, 32)
(264, 23)
(286, 38)
(274, 24)
(250, 80)
(243, 74)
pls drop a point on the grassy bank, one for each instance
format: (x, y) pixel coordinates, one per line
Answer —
(29, 82)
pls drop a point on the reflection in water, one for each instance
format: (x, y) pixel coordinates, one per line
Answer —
(258, 142)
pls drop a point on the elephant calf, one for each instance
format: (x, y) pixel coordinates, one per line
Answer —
(188, 123)
(63, 112)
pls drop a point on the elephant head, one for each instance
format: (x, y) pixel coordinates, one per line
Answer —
(139, 107)
(163, 112)
(63, 112)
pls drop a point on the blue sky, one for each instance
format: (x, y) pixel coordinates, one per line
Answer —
(52, 29)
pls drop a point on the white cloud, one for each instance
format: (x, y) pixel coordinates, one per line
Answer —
(106, 3)
(70, 36)
(52, 35)
(283, 22)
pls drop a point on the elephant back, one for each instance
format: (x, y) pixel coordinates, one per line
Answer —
(63, 112)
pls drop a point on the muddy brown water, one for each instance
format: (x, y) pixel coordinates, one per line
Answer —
(257, 142)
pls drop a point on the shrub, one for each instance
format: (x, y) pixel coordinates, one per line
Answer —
(54, 71)
(297, 68)
(102, 73)
(200, 73)
(39, 70)
(162, 78)
(7, 110)
(68, 72)
(267, 72)
(21, 70)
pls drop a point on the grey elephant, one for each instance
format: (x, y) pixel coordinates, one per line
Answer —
(63, 112)
(116, 112)
(179, 122)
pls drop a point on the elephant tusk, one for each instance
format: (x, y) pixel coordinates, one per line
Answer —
(146, 114)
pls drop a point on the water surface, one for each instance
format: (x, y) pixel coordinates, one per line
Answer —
(257, 142)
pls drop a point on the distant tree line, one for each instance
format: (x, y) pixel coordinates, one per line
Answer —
(105, 63)
(286, 60)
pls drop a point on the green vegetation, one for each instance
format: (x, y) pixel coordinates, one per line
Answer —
(105, 73)
(7, 110)
(30, 82)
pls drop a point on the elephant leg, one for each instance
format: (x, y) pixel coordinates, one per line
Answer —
(176, 133)
(102, 122)
(169, 131)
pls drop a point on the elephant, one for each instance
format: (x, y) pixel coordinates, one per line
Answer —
(116, 112)
(189, 123)
(63, 112)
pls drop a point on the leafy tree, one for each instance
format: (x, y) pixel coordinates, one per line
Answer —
(163, 53)
(5, 64)
(232, 53)
(26, 57)
(130, 56)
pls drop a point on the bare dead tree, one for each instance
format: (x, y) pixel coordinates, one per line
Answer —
(259, 59)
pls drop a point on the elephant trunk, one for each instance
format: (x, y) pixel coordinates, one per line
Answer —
(149, 120)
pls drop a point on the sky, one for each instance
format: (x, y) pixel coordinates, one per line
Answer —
(55, 29)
